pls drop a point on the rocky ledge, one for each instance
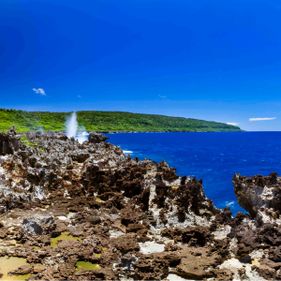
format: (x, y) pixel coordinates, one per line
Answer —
(89, 212)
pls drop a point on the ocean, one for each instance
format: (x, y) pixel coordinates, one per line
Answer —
(212, 157)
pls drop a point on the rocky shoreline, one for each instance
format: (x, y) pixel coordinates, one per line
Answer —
(73, 211)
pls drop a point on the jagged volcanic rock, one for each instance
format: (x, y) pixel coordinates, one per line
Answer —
(259, 195)
(89, 212)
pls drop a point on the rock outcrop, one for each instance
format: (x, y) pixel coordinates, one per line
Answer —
(260, 196)
(9, 143)
(260, 238)
(89, 212)
(96, 138)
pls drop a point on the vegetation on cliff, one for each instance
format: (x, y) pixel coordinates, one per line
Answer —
(103, 121)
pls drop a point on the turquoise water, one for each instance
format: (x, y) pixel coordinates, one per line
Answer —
(212, 157)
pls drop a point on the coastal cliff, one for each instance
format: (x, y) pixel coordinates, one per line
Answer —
(106, 121)
(87, 211)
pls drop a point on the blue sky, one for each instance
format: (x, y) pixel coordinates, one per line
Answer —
(216, 60)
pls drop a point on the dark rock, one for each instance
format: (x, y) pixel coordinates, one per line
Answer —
(196, 236)
(245, 259)
(32, 227)
(193, 236)
(80, 156)
(194, 268)
(126, 243)
(94, 219)
(149, 268)
(41, 224)
(9, 143)
(97, 138)
(127, 262)
(135, 227)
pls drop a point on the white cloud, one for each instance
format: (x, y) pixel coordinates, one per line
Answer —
(232, 123)
(255, 119)
(162, 97)
(39, 91)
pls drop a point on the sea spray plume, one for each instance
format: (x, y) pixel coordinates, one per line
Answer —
(73, 130)
(72, 126)
(82, 135)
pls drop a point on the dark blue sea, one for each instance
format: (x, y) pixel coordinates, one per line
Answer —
(212, 157)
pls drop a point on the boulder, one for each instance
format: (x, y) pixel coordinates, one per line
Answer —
(94, 219)
(39, 225)
(126, 243)
(97, 138)
(80, 156)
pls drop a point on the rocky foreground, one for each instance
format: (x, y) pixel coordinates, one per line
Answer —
(88, 212)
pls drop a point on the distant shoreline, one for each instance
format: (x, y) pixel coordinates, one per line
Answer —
(106, 121)
(167, 132)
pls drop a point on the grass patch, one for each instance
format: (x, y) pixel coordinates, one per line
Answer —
(85, 265)
(8, 264)
(65, 236)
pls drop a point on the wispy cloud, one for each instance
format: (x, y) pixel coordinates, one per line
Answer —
(256, 119)
(162, 97)
(39, 91)
(232, 123)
